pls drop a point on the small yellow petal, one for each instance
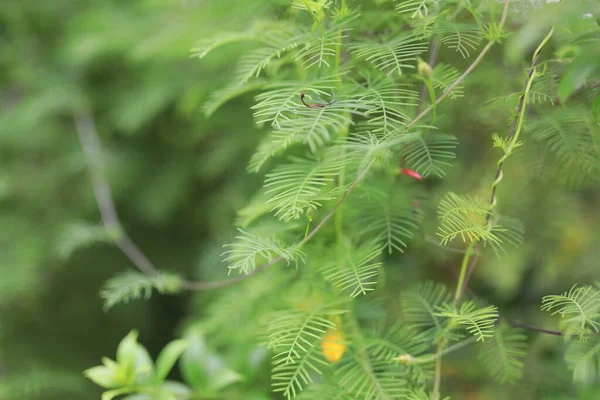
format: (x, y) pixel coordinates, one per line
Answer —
(333, 346)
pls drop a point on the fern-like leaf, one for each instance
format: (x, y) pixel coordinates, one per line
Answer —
(419, 305)
(370, 147)
(573, 137)
(444, 76)
(292, 332)
(281, 100)
(291, 377)
(387, 216)
(429, 153)
(393, 106)
(414, 8)
(465, 217)
(391, 55)
(301, 185)
(247, 250)
(510, 231)
(579, 309)
(357, 271)
(366, 378)
(503, 356)
(222, 96)
(135, 285)
(583, 358)
(460, 39)
(478, 322)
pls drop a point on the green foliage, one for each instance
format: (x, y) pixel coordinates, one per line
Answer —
(132, 285)
(36, 384)
(391, 55)
(503, 356)
(249, 250)
(294, 337)
(133, 372)
(302, 185)
(350, 182)
(583, 358)
(478, 321)
(356, 271)
(464, 217)
(579, 309)
(385, 214)
(419, 305)
(430, 152)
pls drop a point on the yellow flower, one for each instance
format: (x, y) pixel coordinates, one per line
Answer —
(333, 345)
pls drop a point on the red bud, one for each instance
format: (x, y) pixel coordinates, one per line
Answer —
(411, 173)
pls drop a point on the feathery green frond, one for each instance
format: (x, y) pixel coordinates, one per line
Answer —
(248, 251)
(368, 147)
(503, 356)
(583, 358)
(293, 332)
(393, 106)
(510, 231)
(579, 309)
(256, 208)
(465, 217)
(461, 39)
(390, 55)
(251, 64)
(221, 96)
(387, 216)
(399, 341)
(318, 50)
(414, 8)
(573, 136)
(543, 90)
(294, 336)
(429, 153)
(312, 126)
(205, 46)
(366, 378)
(479, 322)
(357, 271)
(419, 305)
(395, 341)
(134, 285)
(281, 100)
(81, 234)
(301, 185)
(291, 377)
(444, 76)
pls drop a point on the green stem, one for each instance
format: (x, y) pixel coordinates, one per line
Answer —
(447, 350)
(438, 370)
(431, 90)
(463, 271)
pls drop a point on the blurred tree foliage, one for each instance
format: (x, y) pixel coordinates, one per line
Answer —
(175, 153)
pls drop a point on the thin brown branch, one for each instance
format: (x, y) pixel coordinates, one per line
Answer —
(88, 138)
(535, 328)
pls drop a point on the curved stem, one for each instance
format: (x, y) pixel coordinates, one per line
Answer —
(512, 140)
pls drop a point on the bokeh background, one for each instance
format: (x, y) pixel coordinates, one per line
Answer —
(178, 178)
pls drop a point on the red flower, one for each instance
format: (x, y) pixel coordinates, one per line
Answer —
(411, 173)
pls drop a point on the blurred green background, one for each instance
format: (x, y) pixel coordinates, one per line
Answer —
(178, 179)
